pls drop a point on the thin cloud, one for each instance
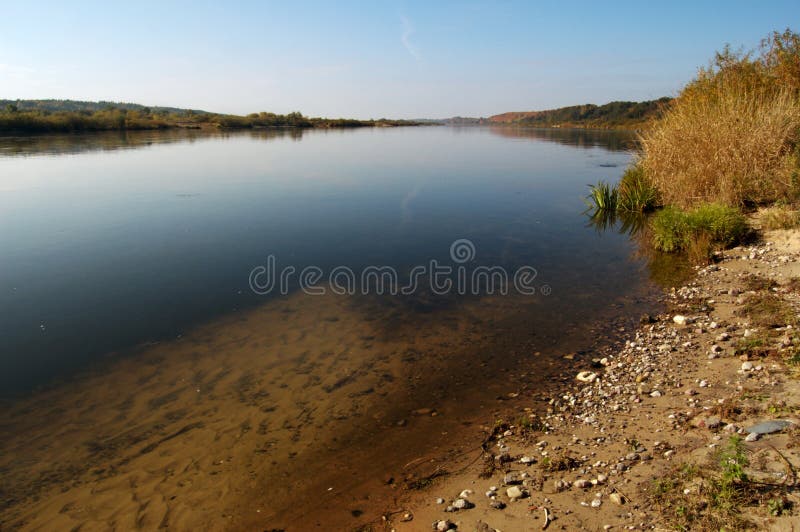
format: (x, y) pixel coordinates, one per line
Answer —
(408, 30)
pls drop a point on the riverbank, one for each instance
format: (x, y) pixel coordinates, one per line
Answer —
(659, 431)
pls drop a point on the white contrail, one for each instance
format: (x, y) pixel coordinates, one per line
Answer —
(408, 30)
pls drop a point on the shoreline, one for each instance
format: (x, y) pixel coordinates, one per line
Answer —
(666, 400)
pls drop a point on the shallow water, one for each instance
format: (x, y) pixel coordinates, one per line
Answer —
(146, 382)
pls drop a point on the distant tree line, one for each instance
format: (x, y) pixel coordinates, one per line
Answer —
(39, 116)
(610, 115)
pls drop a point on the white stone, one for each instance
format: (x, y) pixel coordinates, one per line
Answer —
(514, 493)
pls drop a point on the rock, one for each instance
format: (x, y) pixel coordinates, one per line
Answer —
(586, 376)
(527, 460)
(655, 393)
(747, 366)
(753, 436)
(407, 517)
(423, 411)
(707, 422)
(596, 503)
(768, 427)
(716, 349)
(514, 493)
(561, 485)
(443, 526)
(497, 505)
(617, 498)
(601, 479)
(462, 504)
(680, 320)
(703, 384)
(439, 500)
(582, 483)
(511, 479)
(465, 494)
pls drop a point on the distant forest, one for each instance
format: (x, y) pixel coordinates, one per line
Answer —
(610, 115)
(41, 116)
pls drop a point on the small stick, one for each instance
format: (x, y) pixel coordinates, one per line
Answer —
(546, 519)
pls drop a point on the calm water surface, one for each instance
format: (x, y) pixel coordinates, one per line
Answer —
(145, 383)
(105, 248)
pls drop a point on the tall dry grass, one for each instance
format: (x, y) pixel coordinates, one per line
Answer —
(731, 136)
(732, 143)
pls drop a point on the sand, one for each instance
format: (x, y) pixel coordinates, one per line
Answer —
(303, 412)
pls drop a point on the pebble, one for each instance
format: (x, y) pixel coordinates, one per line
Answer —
(596, 503)
(681, 320)
(462, 504)
(617, 498)
(514, 493)
(443, 526)
(747, 366)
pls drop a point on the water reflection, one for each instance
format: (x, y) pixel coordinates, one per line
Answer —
(620, 140)
(64, 144)
(664, 269)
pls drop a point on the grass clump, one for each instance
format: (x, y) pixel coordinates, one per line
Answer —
(766, 309)
(602, 197)
(636, 194)
(705, 227)
(717, 497)
(731, 136)
(779, 217)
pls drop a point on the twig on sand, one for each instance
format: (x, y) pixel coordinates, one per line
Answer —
(546, 519)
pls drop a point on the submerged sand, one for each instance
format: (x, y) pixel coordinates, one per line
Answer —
(303, 412)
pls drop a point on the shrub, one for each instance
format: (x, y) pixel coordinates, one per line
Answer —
(698, 230)
(731, 135)
(723, 225)
(670, 229)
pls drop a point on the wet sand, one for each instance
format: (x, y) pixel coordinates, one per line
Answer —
(306, 412)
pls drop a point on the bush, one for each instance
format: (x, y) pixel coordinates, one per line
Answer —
(710, 225)
(723, 225)
(670, 229)
(731, 135)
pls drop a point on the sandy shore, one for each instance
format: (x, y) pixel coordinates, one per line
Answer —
(638, 446)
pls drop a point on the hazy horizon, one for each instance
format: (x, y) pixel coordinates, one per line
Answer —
(395, 60)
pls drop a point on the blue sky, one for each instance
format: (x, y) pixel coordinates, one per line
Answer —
(371, 58)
